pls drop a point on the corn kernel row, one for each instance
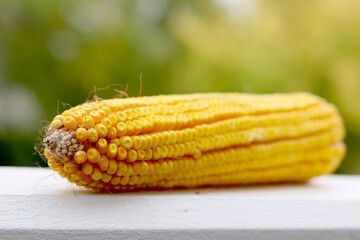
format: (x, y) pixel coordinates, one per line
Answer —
(233, 158)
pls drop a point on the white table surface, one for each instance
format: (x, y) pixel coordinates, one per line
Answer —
(36, 203)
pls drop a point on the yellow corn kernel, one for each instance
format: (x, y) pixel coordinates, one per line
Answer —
(112, 150)
(130, 127)
(121, 129)
(148, 154)
(126, 142)
(56, 124)
(144, 168)
(132, 155)
(172, 137)
(101, 130)
(129, 114)
(112, 134)
(77, 176)
(114, 119)
(164, 151)
(59, 117)
(166, 137)
(82, 112)
(115, 180)
(107, 123)
(96, 174)
(106, 178)
(121, 169)
(151, 124)
(70, 123)
(47, 154)
(137, 168)
(93, 135)
(80, 157)
(78, 117)
(157, 153)
(147, 142)
(115, 141)
(124, 180)
(112, 166)
(161, 138)
(66, 113)
(55, 165)
(137, 127)
(141, 154)
(121, 116)
(102, 145)
(87, 168)
(103, 163)
(122, 153)
(155, 140)
(95, 116)
(171, 151)
(136, 113)
(93, 155)
(145, 124)
(132, 180)
(88, 122)
(81, 134)
(106, 109)
(136, 142)
(70, 167)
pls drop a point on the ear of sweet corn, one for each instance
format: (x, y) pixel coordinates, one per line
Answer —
(195, 140)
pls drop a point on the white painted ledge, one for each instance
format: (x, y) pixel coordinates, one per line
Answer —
(37, 204)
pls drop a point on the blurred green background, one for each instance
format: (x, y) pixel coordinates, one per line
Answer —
(58, 51)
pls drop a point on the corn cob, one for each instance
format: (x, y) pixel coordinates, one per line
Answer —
(185, 141)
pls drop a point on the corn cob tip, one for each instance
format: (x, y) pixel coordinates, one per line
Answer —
(62, 143)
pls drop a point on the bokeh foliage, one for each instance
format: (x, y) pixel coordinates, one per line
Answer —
(53, 51)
